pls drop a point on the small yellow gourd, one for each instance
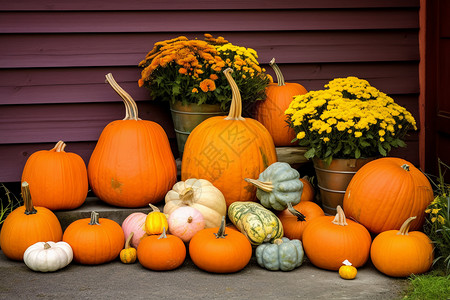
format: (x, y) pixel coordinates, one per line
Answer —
(128, 254)
(156, 221)
(347, 271)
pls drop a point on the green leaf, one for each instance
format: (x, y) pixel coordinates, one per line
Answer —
(310, 153)
(364, 143)
(381, 150)
(357, 153)
(401, 143)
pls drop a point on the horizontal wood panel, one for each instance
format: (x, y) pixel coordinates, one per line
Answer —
(81, 85)
(187, 21)
(70, 122)
(92, 5)
(13, 157)
(80, 50)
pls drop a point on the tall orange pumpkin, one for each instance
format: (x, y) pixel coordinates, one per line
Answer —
(58, 179)
(328, 241)
(94, 240)
(225, 150)
(270, 112)
(27, 225)
(385, 192)
(132, 164)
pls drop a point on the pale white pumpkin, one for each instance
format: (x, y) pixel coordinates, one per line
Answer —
(185, 222)
(201, 195)
(48, 256)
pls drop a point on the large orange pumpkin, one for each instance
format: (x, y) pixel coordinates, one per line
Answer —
(225, 150)
(94, 240)
(132, 164)
(328, 241)
(385, 192)
(270, 112)
(295, 218)
(27, 225)
(400, 253)
(58, 179)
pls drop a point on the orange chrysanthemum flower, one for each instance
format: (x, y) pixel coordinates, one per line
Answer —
(207, 85)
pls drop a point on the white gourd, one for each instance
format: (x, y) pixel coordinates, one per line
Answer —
(48, 256)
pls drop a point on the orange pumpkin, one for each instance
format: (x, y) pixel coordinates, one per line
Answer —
(308, 190)
(225, 150)
(400, 253)
(220, 250)
(161, 253)
(270, 112)
(132, 164)
(328, 241)
(94, 240)
(295, 218)
(58, 179)
(27, 225)
(385, 192)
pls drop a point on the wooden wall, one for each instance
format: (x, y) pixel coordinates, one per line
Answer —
(54, 56)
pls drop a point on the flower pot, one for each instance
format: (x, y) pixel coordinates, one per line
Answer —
(333, 180)
(186, 117)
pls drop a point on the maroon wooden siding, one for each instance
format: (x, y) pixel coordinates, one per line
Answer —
(54, 56)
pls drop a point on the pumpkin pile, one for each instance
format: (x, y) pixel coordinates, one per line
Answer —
(271, 208)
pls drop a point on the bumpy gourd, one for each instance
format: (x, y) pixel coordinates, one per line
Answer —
(283, 254)
(278, 185)
(128, 254)
(255, 221)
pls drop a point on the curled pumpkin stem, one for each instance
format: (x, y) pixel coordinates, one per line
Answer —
(131, 109)
(187, 196)
(154, 208)
(265, 186)
(340, 219)
(59, 147)
(127, 242)
(280, 77)
(299, 215)
(236, 101)
(221, 233)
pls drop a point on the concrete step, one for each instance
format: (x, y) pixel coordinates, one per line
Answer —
(118, 214)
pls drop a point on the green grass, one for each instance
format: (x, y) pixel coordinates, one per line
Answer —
(433, 286)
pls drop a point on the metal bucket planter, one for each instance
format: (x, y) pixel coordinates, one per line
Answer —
(187, 117)
(333, 180)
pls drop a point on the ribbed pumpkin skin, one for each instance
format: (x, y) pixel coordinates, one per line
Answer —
(293, 228)
(225, 152)
(270, 112)
(58, 180)
(132, 164)
(381, 195)
(161, 254)
(135, 222)
(308, 190)
(400, 255)
(327, 245)
(94, 244)
(19, 231)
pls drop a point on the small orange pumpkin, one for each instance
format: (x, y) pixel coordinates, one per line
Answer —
(94, 240)
(295, 218)
(400, 253)
(220, 249)
(219, 148)
(27, 225)
(161, 253)
(132, 164)
(308, 189)
(328, 241)
(58, 179)
(270, 112)
(128, 254)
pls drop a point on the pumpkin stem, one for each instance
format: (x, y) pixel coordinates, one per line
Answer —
(280, 77)
(131, 109)
(154, 208)
(94, 218)
(26, 196)
(221, 233)
(346, 262)
(405, 226)
(405, 167)
(187, 195)
(299, 215)
(47, 246)
(189, 220)
(59, 147)
(236, 101)
(163, 234)
(278, 241)
(340, 219)
(127, 242)
(265, 186)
